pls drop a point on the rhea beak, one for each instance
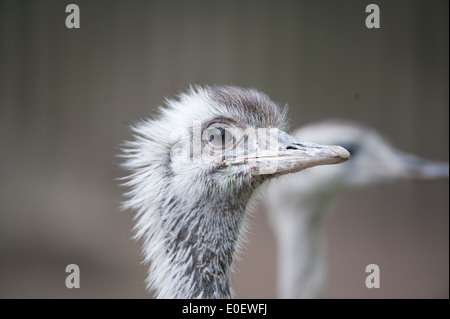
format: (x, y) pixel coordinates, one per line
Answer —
(295, 154)
(289, 154)
(407, 166)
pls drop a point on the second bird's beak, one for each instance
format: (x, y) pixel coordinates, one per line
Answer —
(289, 154)
(401, 165)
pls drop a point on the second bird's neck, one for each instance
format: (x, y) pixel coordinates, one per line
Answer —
(301, 251)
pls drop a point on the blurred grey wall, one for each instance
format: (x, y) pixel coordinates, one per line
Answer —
(66, 97)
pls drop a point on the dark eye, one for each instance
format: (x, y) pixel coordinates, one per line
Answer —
(218, 136)
(352, 148)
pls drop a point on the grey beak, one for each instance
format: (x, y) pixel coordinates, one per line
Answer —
(293, 146)
(414, 167)
(295, 154)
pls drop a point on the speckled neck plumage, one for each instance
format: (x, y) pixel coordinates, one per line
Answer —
(201, 238)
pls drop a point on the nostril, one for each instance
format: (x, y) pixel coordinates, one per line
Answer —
(291, 148)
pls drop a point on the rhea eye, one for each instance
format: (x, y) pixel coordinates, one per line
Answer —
(219, 137)
(352, 148)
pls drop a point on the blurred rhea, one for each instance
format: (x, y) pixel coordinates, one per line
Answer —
(298, 203)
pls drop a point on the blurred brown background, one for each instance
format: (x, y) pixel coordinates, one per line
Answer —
(66, 97)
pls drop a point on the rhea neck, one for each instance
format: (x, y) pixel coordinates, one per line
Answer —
(200, 240)
(301, 246)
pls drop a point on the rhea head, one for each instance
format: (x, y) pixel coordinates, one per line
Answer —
(192, 172)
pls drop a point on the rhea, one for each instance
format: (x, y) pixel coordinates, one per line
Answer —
(298, 203)
(192, 171)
